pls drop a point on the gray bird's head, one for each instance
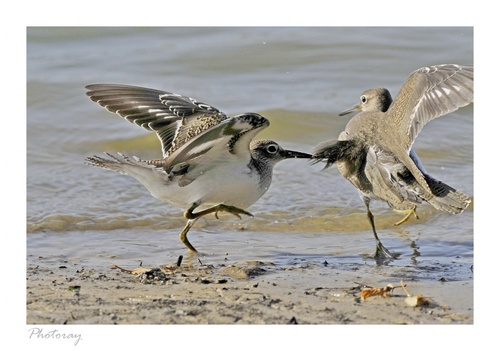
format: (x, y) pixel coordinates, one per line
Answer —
(377, 99)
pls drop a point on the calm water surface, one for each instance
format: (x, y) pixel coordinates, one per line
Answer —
(300, 78)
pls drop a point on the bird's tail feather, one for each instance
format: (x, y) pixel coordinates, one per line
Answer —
(332, 151)
(121, 163)
(445, 197)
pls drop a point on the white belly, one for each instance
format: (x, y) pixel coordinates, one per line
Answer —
(227, 185)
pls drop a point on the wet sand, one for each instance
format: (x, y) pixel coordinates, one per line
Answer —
(253, 292)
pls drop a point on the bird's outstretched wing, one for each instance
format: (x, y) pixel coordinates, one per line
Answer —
(175, 118)
(429, 93)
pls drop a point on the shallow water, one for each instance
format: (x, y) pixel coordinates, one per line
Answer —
(300, 78)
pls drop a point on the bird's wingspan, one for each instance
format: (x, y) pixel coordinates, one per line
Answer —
(175, 118)
(429, 93)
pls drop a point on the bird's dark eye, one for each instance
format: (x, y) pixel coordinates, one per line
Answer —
(272, 149)
(364, 99)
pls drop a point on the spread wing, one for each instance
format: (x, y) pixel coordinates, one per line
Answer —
(429, 93)
(175, 118)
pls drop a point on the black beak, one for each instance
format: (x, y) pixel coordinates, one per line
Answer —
(295, 154)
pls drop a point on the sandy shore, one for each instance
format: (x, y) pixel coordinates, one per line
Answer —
(245, 293)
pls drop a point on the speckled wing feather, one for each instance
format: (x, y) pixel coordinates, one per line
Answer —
(429, 93)
(228, 141)
(175, 118)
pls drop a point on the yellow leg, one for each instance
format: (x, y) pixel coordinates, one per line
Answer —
(192, 217)
(219, 208)
(183, 235)
(410, 212)
(381, 253)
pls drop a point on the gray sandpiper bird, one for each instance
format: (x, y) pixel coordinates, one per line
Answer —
(374, 151)
(210, 163)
